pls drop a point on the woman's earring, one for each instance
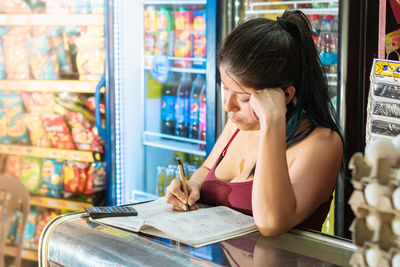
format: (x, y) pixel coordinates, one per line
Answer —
(294, 101)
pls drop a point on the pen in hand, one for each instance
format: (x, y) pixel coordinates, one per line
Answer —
(182, 178)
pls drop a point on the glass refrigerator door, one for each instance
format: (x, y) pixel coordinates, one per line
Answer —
(175, 90)
(323, 16)
(51, 61)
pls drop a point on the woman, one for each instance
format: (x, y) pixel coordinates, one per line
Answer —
(279, 155)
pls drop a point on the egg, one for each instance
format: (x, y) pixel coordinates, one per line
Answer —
(396, 198)
(396, 260)
(382, 148)
(373, 255)
(373, 222)
(396, 226)
(372, 193)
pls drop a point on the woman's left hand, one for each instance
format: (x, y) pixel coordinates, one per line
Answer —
(269, 106)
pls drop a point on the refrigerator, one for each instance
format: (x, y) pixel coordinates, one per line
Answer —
(161, 76)
(51, 68)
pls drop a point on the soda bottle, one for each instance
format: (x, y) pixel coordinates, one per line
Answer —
(182, 106)
(203, 115)
(165, 32)
(198, 84)
(161, 176)
(327, 46)
(183, 37)
(168, 101)
(315, 21)
(170, 175)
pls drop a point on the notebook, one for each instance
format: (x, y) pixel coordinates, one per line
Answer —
(196, 228)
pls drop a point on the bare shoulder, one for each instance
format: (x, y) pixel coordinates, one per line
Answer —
(323, 140)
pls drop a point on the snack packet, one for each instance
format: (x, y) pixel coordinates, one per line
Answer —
(96, 179)
(84, 138)
(37, 133)
(39, 103)
(74, 177)
(29, 233)
(31, 173)
(16, 54)
(44, 217)
(57, 131)
(51, 183)
(13, 166)
(42, 61)
(14, 7)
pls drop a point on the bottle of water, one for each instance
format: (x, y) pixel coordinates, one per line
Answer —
(327, 46)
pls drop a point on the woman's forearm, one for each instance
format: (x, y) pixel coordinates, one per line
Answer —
(273, 198)
(198, 176)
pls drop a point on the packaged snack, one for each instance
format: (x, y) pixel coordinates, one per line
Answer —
(14, 7)
(13, 166)
(74, 176)
(16, 54)
(39, 103)
(11, 110)
(199, 37)
(44, 217)
(84, 138)
(96, 178)
(183, 36)
(42, 61)
(57, 131)
(29, 233)
(79, 7)
(73, 102)
(90, 53)
(91, 104)
(31, 173)
(57, 6)
(37, 133)
(51, 178)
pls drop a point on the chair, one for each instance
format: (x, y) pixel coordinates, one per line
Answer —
(13, 196)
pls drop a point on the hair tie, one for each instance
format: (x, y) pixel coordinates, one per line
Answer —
(289, 27)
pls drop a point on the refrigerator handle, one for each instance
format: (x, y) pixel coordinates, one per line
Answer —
(97, 116)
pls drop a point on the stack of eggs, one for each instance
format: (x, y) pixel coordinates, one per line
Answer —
(376, 204)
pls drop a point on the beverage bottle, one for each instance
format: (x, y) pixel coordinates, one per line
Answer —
(197, 86)
(182, 106)
(168, 101)
(170, 175)
(203, 115)
(161, 176)
(183, 37)
(165, 32)
(315, 21)
(327, 46)
(149, 31)
(199, 37)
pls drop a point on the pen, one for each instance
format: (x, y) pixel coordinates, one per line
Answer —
(182, 178)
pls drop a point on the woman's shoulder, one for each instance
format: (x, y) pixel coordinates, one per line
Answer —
(323, 138)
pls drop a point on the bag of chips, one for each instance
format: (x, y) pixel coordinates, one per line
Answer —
(51, 183)
(31, 173)
(57, 131)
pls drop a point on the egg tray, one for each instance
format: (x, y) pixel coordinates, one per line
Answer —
(381, 172)
(372, 255)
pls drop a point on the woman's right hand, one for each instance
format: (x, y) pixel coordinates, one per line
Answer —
(176, 197)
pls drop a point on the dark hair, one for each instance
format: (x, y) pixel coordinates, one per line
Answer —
(263, 53)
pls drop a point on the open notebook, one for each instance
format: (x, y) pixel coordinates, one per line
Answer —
(195, 228)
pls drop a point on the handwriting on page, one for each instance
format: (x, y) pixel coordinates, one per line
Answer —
(203, 223)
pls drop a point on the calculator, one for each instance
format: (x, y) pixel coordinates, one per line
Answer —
(110, 211)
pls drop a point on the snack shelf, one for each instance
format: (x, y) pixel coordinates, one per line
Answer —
(56, 86)
(25, 253)
(54, 153)
(47, 19)
(57, 203)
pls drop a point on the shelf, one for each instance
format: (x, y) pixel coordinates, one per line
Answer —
(55, 203)
(56, 86)
(174, 143)
(25, 253)
(47, 19)
(54, 153)
(187, 70)
(306, 11)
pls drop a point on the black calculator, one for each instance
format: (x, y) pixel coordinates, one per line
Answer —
(110, 211)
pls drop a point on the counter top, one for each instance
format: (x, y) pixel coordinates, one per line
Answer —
(73, 240)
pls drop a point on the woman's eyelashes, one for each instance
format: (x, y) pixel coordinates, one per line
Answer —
(244, 101)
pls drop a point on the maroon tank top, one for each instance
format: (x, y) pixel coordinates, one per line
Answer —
(238, 195)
